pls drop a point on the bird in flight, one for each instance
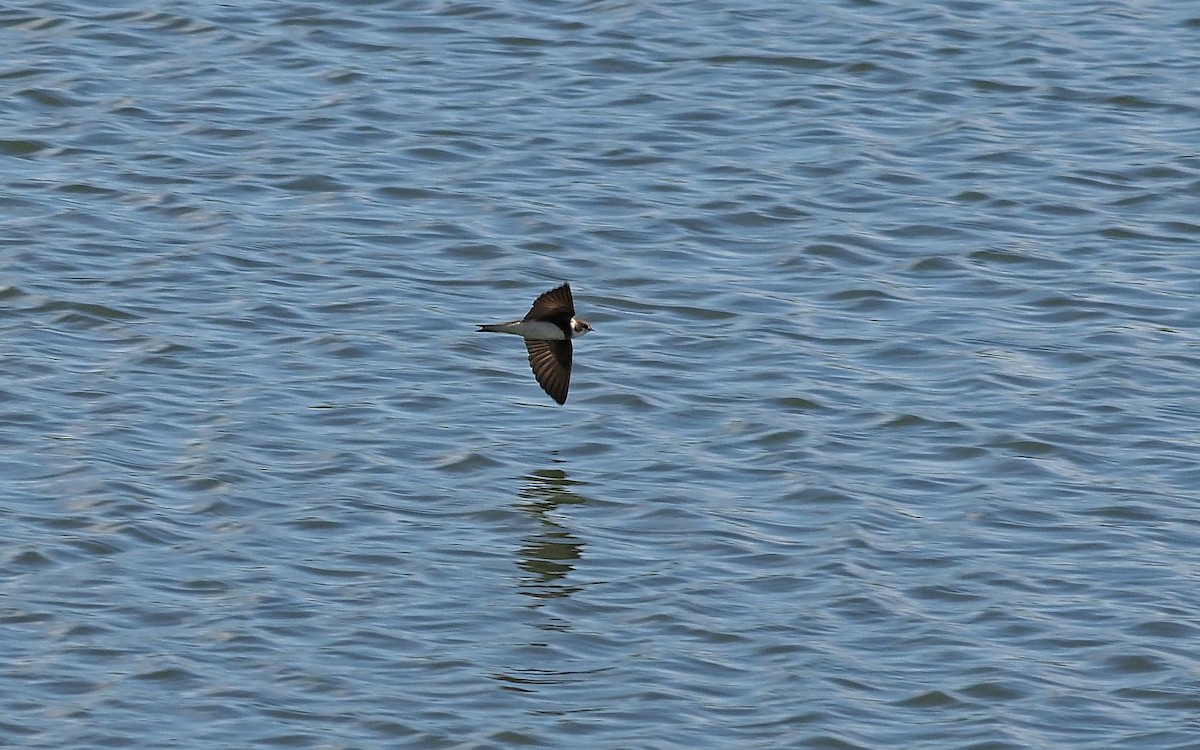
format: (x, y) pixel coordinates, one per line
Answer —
(548, 329)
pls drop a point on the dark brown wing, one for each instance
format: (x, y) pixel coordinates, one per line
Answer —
(555, 306)
(551, 363)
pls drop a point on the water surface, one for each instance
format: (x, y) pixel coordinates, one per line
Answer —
(887, 436)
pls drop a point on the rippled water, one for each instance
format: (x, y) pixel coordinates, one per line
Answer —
(887, 436)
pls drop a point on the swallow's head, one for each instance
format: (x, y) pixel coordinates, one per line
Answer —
(579, 327)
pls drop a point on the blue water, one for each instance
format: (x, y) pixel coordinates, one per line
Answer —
(887, 435)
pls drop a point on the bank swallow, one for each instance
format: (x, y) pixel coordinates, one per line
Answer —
(548, 329)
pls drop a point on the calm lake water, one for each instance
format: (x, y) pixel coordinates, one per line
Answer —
(888, 435)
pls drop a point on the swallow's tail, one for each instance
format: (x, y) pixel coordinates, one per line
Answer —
(513, 327)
